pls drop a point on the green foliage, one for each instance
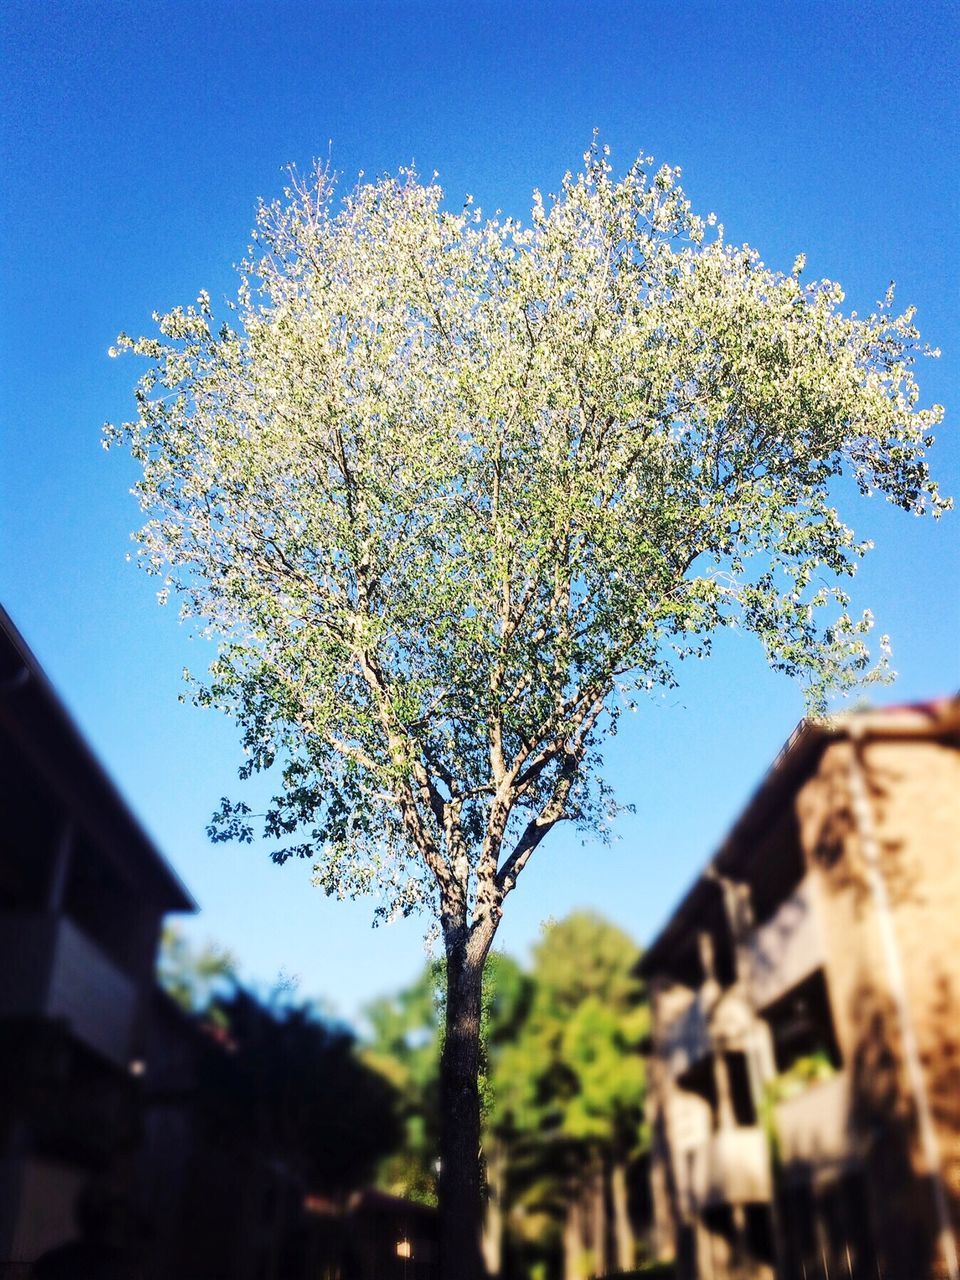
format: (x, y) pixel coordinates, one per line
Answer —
(451, 491)
(193, 976)
(811, 1069)
(575, 1073)
(403, 1044)
(563, 1078)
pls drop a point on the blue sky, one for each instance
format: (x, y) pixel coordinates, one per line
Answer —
(134, 142)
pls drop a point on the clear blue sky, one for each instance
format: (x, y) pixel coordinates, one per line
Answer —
(135, 140)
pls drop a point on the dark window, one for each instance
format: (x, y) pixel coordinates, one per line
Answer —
(686, 1253)
(760, 1233)
(686, 967)
(777, 868)
(802, 1025)
(744, 1111)
(699, 1079)
(799, 1232)
(724, 955)
(718, 1219)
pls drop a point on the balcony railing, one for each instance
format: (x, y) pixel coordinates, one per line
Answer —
(686, 1038)
(814, 1126)
(51, 969)
(712, 1019)
(786, 948)
(731, 1167)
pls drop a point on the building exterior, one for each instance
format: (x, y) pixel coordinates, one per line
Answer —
(82, 899)
(116, 1103)
(373, 1236)
(805, 1070)
(83, 893)
(219, 1201)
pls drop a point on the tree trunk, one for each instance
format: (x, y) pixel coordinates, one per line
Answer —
(496, 1167)
(626, 1245)
(598, 1205)
(461, 1198)
(573, 1238)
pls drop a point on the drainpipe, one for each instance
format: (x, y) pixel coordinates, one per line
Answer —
(869, 846)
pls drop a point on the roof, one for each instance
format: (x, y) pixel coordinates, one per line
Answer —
(372, 1201)
(40, 726)
(938, 718)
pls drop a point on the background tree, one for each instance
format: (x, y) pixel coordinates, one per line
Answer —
(297, 1084)
(562, 1088)
(279, 1073)
(192, 975)
(570, 1091)
(449, 492)
(403, 1044)
(508, 995)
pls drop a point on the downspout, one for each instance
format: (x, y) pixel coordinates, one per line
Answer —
(870, 848)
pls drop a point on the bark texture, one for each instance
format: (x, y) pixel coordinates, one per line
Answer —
(461, 1189)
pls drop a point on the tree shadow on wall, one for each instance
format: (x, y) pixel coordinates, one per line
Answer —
(836, 846)
(883, 1124)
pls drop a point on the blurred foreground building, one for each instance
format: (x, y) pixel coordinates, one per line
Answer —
(805, 1077)
(112, 1096)
(83, 893)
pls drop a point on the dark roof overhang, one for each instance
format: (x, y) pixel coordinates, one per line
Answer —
(39, 725)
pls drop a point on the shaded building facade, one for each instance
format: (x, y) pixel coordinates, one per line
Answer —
(83, 893)
(116, 1101)
(805, 1071)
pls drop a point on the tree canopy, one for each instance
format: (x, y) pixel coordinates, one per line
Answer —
(449, 490)
(569, 1092)
(280, 1072)
(192, 975)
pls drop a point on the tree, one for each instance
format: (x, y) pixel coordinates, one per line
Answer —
(192, 976)
(288, 1076)
(451, 491)
(297, 1084)
(570, 1089)
(562, 1088)
(404, 1046)
(507, 996)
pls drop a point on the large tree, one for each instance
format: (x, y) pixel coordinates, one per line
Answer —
(451, 490)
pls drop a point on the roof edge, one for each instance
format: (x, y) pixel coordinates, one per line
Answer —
(934, 718)
(30, 682)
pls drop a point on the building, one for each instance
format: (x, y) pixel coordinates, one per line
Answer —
(218, 1199)
(83, 893)
(805, 1070)
(373, 1236)
(115, 1101)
